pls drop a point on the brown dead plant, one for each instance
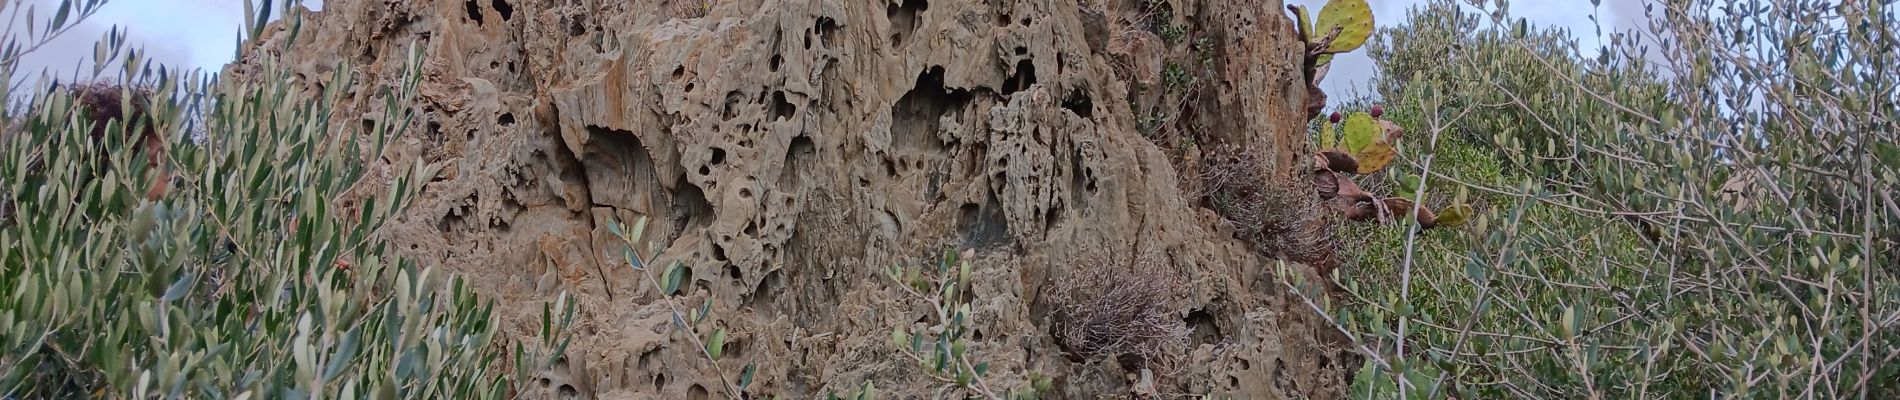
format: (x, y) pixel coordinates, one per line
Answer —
(1117, 308)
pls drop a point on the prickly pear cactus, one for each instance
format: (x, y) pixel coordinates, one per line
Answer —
(1352, 17)
(1363, 144)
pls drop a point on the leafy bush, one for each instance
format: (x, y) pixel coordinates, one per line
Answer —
(1710, 218)
(230, 262)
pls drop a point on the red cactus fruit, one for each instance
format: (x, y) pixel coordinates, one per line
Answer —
(1377, 110)
(1334, 118)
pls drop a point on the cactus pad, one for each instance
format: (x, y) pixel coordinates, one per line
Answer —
(1353, 17)
(1360, 131)
(1374, 157)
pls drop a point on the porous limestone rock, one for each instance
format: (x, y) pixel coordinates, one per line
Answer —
(788, 150)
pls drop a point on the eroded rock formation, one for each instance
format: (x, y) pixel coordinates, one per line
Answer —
(788, 150)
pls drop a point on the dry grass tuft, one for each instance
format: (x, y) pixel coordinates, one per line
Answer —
(689, 9)
(1280, 219)
(1119, 308)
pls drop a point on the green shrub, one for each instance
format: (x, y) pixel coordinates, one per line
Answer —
(232, 264)
(1719, 225)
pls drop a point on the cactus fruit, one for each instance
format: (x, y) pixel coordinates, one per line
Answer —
(1334, 118)
(1377, 110)
(1353, 18)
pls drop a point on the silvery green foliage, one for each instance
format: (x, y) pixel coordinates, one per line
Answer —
(1706, 210)
(227, 267)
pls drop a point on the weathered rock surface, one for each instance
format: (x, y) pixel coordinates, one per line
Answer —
(788, 150)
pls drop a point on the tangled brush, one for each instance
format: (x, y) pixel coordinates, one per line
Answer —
(1114, 309)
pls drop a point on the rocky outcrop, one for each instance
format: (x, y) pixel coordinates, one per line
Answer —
(789, 150)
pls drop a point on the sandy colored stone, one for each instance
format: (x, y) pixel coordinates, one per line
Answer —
(788, 151)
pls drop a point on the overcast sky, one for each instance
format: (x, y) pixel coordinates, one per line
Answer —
(180, 33)
(203, 33)
(1351, 71)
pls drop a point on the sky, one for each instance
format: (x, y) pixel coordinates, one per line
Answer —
(1351, 71)
(203, 33)
(180, 33)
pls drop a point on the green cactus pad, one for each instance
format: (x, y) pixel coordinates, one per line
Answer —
(1354, 17)
(1360, 131)
(1328, 135)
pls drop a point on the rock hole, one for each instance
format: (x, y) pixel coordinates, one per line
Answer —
(1233, 381)
(507, 11)
(689, 87)
(474, 11)
(903, 16)
(1022, 78)
(719, 254)
(511, 67)
(1245, 366)
(1080, 103)
(1022, 51)
(776, 60)
(735, 348)
(977, 335)
(545, 382)
(705, 170)
(1131, 362)
(827, 33)
(983, 226)
(659, 380)
(782, 109)
(1026, 21)
(689, 203)
(718, 156)
(767, 291)
(698, 392)
(917, 116)
(646, 361)
(1203, 328)
(567, 391)
(506, 119)
(679, 72)
(494, 65)
(1279, 375)
(801, 149)
(733, 100)
(752, 229)
(745, 193)
(733, 272)
(577, 25)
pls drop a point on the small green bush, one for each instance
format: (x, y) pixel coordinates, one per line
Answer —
(225, 263)
(1711, 219)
